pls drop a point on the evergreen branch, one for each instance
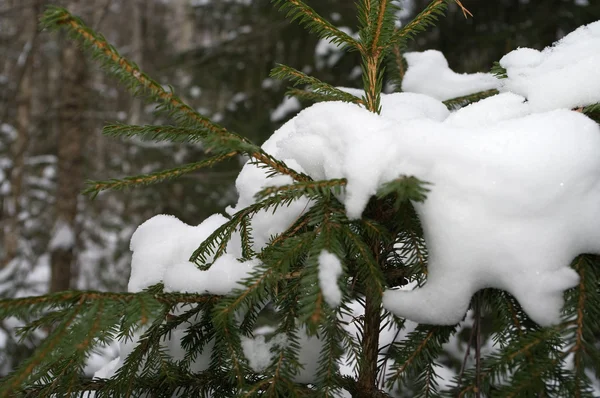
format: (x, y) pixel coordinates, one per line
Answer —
(13, 306)
(499, 71)
(139, 82)
(593, 112)
(156, 133)
(404, 188)
(311, 189)
(379, 25)
(57, 18)
(397, 64)
(95, 187)
(369, 271)
(317, 86)
(277, 166)
(312, 96)
(16, 379)
(414, 357)
(420, 23)
(583, 302)
(297, 9)
(216, 243)
(459, 102)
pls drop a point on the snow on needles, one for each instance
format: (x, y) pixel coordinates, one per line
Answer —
(428, 73)
(515, 192)
(562, 76)
(330, 269)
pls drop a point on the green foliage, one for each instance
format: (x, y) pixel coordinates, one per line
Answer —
(499, 71)
(324, 91)
(385, 248)
(297, 9)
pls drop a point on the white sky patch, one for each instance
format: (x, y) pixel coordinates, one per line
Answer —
(330, 269)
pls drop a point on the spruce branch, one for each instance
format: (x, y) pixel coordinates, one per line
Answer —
(156, 133)
(310, 189)
(414, 357)
(459, 102)
(499, 71)
(310, 96)
(298, 10)
(95, 187)
(404, 188)
(140, 83)
(592, 111)
(420, 23)
(14, 381)
(318, 87)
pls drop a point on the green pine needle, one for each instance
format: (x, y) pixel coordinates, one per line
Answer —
(95, 187)
(315, 85)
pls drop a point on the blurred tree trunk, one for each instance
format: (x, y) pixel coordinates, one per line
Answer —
(137, 44)
(23, 89)
(69, 162)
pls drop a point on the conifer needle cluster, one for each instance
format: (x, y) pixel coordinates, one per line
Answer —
(384, 248)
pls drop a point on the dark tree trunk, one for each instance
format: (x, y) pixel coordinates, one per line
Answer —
(70, 164)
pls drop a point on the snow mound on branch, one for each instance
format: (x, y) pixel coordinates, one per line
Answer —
(428, 73)
(223, 276)
(164, 242)
(330, 269)
(515, 196)
(562, 76)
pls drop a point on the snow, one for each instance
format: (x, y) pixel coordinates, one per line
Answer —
(330, 269)
(562, 76)
(258, 350)
(259, 353)
(428, 73)
(289, 105)
(514, 194)
(517, 221)
(221, 278)
(163, 242)
(63, 237)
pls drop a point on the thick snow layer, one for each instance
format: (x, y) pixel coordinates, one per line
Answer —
(163, 242)
(562, 76)
(428, 73)
(514, 194)
(221, 278)
(514, 197)
(330, 269)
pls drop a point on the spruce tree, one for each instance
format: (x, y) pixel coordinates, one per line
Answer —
(323, 278)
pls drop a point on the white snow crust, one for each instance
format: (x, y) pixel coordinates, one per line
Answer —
(429, 73)
(221, 278)
(562, 76)
(330, 269)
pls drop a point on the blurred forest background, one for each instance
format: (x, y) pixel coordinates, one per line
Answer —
(217, 54)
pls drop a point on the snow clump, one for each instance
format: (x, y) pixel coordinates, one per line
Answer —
(564, 75)
(514, 195)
